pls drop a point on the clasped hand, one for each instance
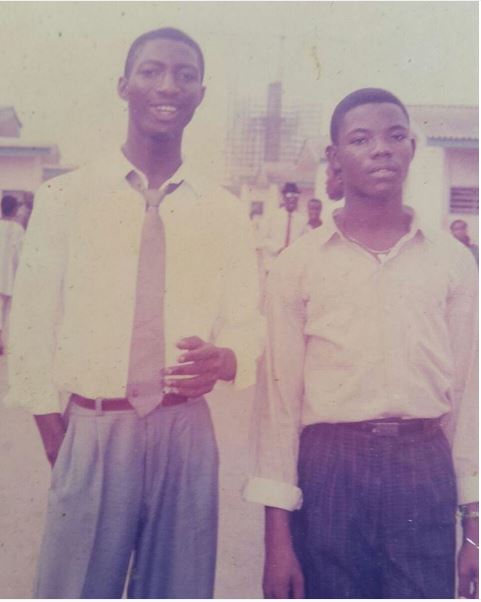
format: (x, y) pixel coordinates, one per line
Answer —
(204, 363)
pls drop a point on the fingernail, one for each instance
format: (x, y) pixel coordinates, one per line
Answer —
(182, 358)
(168, 371)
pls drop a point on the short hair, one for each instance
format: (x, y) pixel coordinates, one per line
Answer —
(360, 97)
(9, 205)
(290, 187)
(314, 201)
(458, 221)
(164, 33)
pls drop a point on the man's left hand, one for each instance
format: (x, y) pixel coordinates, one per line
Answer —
(204, 363)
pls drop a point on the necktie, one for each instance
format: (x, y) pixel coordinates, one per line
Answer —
(144, 382)
(288, 231)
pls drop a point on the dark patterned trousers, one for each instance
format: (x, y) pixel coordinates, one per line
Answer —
(378, 519)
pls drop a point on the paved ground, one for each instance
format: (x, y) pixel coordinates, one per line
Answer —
(24, 478)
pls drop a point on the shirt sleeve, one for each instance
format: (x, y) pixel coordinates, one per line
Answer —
(276, 417)
(240, 326)
(463, 328)
(36, 303)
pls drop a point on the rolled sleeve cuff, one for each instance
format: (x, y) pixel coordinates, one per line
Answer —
(273, 493)
(468, 491)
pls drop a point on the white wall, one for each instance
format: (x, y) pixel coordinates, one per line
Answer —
(427, 186)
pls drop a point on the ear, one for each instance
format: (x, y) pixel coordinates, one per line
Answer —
(201, 95)
(122, 88)
(332, 157)
(413, 146)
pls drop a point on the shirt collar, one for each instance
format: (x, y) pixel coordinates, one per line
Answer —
(329, 230)
(119, 166)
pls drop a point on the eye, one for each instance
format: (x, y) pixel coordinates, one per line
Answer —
(147, 72)
(358, 140)
(399, 136)
(187, 77)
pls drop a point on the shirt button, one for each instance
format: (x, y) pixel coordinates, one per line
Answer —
(135, 392)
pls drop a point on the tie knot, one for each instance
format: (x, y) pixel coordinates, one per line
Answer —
(153, 197)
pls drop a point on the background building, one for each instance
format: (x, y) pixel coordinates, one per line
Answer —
(24, 164)
(269, 144)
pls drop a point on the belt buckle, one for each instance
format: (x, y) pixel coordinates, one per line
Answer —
(386, 429)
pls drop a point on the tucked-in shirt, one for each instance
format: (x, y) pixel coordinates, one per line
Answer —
(74, 297)
(11, 240)
(354, 337)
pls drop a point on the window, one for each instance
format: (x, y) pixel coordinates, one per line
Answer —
(464, 200)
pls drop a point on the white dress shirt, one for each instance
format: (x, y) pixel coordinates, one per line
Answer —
(74, 295)
(353, 338)
(276, 232)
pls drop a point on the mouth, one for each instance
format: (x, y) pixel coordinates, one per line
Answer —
(164, 112)
(383, 171)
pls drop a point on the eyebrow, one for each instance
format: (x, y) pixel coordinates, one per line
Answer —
(367, 130)
(177, 65)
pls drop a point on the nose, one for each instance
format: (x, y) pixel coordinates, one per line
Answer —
(166, 83)
(381, 147)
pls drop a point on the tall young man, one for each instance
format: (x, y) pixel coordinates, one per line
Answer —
(137, 293)
(371, 344)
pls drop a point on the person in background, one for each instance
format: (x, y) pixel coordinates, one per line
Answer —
(11, 241)
(314, 208)
(366, 409)
(284, 225)
(25, 210)
(459, 229)
(137, 293)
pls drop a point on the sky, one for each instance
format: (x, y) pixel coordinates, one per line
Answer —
(60, 61)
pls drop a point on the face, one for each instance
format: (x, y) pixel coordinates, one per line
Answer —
(374, 151)
(460, 231)
(314, 211)
(163, 89)
(290, 200)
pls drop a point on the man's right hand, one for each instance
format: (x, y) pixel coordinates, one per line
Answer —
(52, 431)
(283, 576)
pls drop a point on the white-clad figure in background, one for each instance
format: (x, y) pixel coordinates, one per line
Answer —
(11, 239)
(285, 225)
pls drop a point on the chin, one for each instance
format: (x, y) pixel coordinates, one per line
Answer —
(162, 137)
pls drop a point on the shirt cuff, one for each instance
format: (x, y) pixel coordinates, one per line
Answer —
(273, 493)
(468, 491)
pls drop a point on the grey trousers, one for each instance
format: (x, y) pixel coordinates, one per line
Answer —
(124, 485)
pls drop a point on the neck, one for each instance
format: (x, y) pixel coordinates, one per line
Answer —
(158, 157)
(373, 214)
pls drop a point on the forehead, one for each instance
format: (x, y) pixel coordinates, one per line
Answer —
(374, 116)
(162, 50)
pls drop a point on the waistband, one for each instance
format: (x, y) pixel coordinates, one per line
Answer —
(122, 403)
(391, 427)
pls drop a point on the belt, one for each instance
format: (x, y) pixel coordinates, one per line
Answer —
(122, 403)
(394, 427)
